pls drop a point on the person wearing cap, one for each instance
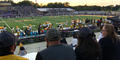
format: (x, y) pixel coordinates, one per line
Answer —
(55, 50)
(88, 48)
(7, 47)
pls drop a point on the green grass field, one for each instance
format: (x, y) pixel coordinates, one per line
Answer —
(13, 22)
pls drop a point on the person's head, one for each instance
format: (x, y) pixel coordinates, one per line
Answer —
(85, 35)
(7, 42)
(87, 43)
(108, 31)
(53, 36)
(22, 48)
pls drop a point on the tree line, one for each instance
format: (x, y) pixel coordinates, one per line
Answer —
(67, 5)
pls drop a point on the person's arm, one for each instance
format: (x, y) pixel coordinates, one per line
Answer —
(38, 57)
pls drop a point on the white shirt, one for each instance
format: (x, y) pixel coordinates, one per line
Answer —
(100, 37)
(74, 41)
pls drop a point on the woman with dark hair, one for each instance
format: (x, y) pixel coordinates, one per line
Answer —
(88, 48)
(110, 43)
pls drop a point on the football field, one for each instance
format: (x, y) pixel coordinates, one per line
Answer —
(35, 21)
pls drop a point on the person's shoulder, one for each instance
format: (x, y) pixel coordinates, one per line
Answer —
(43, 51)
(105, 39)
(19, 57)
(102, 40)
(67, 46)
(51, 48)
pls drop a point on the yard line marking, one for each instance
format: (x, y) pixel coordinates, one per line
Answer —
(5, 23)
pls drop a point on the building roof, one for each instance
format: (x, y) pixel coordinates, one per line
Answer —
(47, 9)
(5, 3)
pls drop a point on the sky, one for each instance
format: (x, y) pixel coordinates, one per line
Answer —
(79, 2)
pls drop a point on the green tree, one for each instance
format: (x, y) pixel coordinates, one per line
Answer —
(67, 4)
(25, 3)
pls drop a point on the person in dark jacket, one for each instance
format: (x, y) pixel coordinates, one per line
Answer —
(88, 48)
(110, 43)
(55, 50)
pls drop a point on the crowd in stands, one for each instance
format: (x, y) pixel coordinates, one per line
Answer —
(84, 46)
(20, 11)
(26, 11)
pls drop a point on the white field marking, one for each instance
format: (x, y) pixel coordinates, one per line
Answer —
(32, 26)
(5, 23)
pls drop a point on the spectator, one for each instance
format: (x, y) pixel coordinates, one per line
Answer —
(87, 48)
(39, 29)
(7, 47)
(22, 51)
(55, 50)
(110, 43)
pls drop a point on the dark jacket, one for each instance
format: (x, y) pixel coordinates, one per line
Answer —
(83, 54)
(63, 41)
(110, 50)
(57, 52)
